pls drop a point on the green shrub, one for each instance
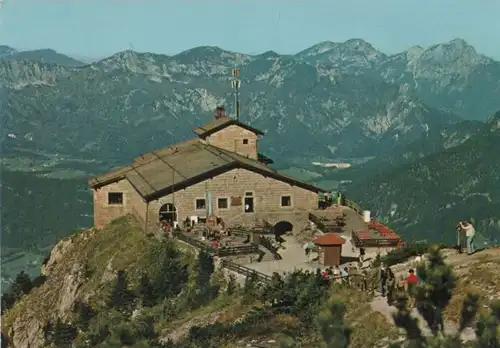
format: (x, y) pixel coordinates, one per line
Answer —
(404, 253)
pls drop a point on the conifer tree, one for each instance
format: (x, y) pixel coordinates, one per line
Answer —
(146, 291)
(331, 324)
(121, 297)
(232, 285)
(84, 313)
(250, 288)
(206, 268)
(64, 334)
(145, 328)
(487, 328)
(8, 301)
(21, 286)
(172, 273)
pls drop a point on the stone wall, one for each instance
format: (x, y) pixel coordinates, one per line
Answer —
(133, 203)
(233, 138)
(232, 186)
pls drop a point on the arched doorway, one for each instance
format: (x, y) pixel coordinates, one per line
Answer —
(282, 227)
(168, 213)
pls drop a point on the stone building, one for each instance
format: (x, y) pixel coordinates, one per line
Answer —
(220, 173)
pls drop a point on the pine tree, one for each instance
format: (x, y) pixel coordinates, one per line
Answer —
(48, 331)
(172, 273)
(84, 313)
(146, 328)
(432, 297)
(206, 268)
(488, 327)
(121, 297)
(250, 288)
(232, 285)
(64, 334)
(7, 301)
(21, 286)
(146, 292)
(331, 324)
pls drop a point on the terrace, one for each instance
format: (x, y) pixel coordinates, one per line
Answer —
(375, 235)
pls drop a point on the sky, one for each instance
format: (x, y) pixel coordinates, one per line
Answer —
(94, 29)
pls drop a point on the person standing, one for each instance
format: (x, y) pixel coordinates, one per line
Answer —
(361, 257)
(391, 285)
(411, 282)
(345, 275)
(383, 281)
(470, 233)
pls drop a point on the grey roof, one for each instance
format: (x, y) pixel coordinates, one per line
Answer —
(157, 173)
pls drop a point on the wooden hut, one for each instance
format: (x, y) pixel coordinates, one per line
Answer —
(330, 249)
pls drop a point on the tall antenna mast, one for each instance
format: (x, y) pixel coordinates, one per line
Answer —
(235, 84)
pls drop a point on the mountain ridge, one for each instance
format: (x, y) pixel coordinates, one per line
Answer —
(434, 192)
(282, 94)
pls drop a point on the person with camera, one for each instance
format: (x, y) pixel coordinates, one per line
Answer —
(470, 232)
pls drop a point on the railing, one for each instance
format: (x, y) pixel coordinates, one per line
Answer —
(354, 206)
(238, 232)
(358, 281)
(246, 271)
(266, 243)
(222, 251)
(238, 250)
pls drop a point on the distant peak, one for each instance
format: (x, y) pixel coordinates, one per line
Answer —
(201, 50)
(458, 45)
(269, 54)
(416, 49)
(7, 50)
(358, 43)
(458, 42)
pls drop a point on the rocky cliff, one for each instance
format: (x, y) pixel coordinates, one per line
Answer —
(80, 267)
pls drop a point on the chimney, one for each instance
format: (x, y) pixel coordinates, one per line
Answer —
(220, 112)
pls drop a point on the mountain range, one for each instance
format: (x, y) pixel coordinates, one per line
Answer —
(341, 99)
(331, 101)
(429, 195)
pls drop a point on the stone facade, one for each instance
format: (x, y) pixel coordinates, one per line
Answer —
(132, 203)
(236, 139)
(231, 188)
(273, 200)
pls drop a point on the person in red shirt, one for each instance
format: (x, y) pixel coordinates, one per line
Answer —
(411, 281)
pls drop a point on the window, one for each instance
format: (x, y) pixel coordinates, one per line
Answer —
(222, 203)
(115, 198)
(286, 201)
(249, 194)
(245, 141)
(200, 204)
